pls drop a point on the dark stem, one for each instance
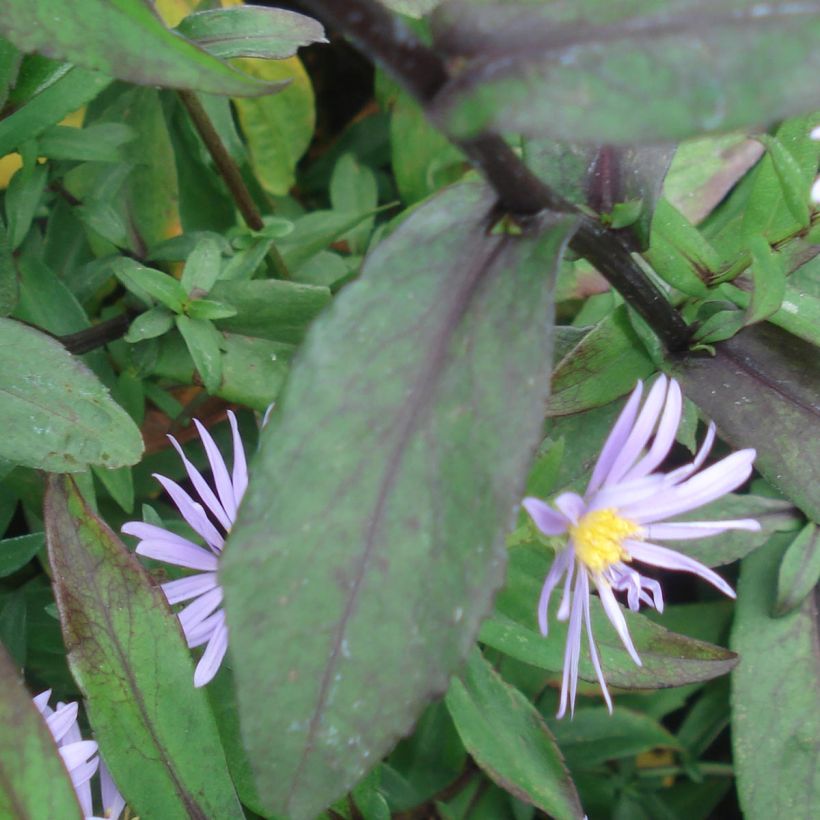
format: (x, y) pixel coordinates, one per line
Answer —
(93, 337)
(387, 40)
(229, 171)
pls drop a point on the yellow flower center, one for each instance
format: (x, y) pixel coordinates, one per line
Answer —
(598, 539)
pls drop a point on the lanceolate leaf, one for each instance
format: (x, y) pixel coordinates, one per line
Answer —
(760, 388)
(128, 656)
(34, 784)
(123, 39)
(56, 413)
(507, 737)
(251, 31)
(349, 607)
(570, 71)
(775, 690)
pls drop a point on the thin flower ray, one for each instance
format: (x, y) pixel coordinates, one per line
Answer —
(609, 527)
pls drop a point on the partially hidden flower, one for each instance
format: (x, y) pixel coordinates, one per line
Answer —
(815, 188)
(80, 758)
(202, 620)
(624, 511)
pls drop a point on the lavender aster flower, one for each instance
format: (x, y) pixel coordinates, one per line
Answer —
(623, 512)
(80, 758)
(202, 620)
(815, 188)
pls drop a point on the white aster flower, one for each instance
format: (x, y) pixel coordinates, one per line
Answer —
(202, 620)
(80, 758)
(625, 509)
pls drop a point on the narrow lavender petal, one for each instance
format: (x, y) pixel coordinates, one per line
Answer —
(75, 754)
(576, 624)
(189, 555)
(239, 474)
(665, 436)
(202, 487)
(563, 609)
(192, 512)
(686, 530)
(640, 433)
(708, 485)
(624, 493)
(676, 476)
(200, 609)
(815, 188)
(61, 720)
(268, 411)
(80, 777)
(658, 556)
(593, 649)
(571, 505)
(150, 532)
(544, 517)
(220, 472)
(211, 659)
(184, 589)
(615, 440)
(569, 676)
(558, 568)
(203, 631)
(41, 702)
(112, 801)
(616, 618)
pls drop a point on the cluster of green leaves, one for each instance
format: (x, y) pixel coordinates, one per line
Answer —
(419, 347)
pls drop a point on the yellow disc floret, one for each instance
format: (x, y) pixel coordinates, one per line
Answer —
(598, 539)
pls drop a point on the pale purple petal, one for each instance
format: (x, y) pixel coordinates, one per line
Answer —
(558, 568)
(658, 556)
(640, 433)
(572, 652)
(563, 609)
(150, 532)
(815, 191)
(616, 617)
(75, 754)
(192, 511)
(211, 659)
(200, 609)
(676, 476)
(61, 720)
(571, 505)
(202, 632)
(616, 439)
(112, 801)
(665, 436)
(220, 472)
(625, 493)
(184, 589)
(239, 473)
(708, 485)
(593, 649)
(686, 530)
(545, 518)
(80, 777)
(202, 487)
(188, 555)
(41, 702)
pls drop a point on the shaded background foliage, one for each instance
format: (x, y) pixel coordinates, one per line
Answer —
(265, 227)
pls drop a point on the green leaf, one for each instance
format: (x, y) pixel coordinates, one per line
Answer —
(251, 31)
(278, 127)
(270, 309)
(769, 281)
(603, 366)
(154, 322)
(148, 284)
(129, 658)
(123, 39)
(70, 89)
(449, 408)
(721, 325)
(210, 309)
(22, 199)
(101, 142)
(120, 485)
(594, 736)
(775, 720)
(57, 415)
(13, 626)
(32, 761)
(202, 266)
(799, 570)
(10, 59)
(509, 740)
(679, 68)
(17, 552)
(668, 659)
(791, 179)
(760, 388)
(8, 275)
(203, 341)
(354, 190)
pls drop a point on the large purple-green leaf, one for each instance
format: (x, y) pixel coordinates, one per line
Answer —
(123, 39)
(678, 67)
(509, 739)
(129, 658)
(34, 784)
(775, 692)
(410, 418)
(760, 388)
